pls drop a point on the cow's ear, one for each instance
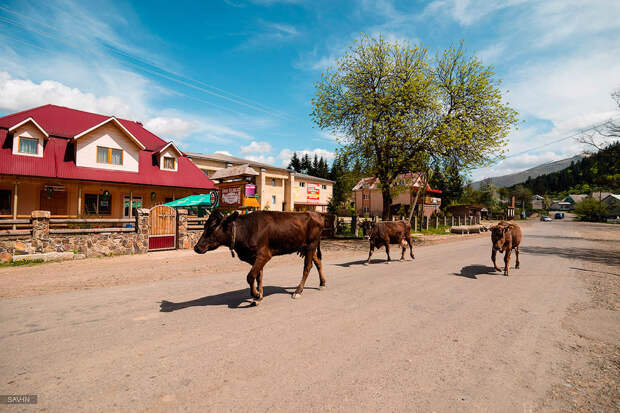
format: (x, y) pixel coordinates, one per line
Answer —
(233, 216)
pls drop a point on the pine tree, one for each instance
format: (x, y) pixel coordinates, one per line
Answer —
(306, 164)
(295, 163)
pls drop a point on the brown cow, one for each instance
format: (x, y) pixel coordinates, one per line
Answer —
(505, 236)
(386, 232)
(258, 236)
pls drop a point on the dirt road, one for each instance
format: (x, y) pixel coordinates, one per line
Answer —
(441, 333)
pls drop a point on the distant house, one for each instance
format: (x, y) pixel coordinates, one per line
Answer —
(272, 187)
(537, 202)
(559, 205)
(369, 200)
(573, 199)
(81, 164)
(613, 205)
(478, 211)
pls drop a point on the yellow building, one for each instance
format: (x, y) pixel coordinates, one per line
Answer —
(277, 189)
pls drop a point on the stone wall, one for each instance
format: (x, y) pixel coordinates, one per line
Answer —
(95, 244)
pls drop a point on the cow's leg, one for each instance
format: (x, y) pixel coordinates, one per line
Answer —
(372, 248)
(307, 267)
(517, 256)
(319, 267)
(507, 262)
(493, 255)
(387, 250)
(255, 271)
(259, 285)
(410, 242)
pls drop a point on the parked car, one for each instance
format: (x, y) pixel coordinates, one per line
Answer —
(545, 218)
(559, 215)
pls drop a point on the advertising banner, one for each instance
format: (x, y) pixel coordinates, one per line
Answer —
(250, 190)
(231, 195)
(313, 192)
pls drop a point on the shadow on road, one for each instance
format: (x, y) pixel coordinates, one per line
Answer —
(372, 261)
(471, 271)
(600, 272)
(610, 257)
(233, 299)
(560, 237)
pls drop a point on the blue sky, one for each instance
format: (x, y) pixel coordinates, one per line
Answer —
(238, 75)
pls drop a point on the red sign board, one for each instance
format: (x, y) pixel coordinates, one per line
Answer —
(231, 195)
(313, 192)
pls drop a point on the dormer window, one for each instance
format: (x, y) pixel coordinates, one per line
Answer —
(28, 146)
(109, 155)
(169, 163)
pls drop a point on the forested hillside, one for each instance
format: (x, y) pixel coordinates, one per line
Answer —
(600, 171)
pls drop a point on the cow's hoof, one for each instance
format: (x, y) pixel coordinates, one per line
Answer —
(517, 267)
(322, 287)
(256, 302)
(296, 295)
(366, 263)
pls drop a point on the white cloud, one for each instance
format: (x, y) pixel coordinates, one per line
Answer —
(223, 153)
(262, 158)
(20, 94)
(170, 127)
(286, 154)
(256, 147)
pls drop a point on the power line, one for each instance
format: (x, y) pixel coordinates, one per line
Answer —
(579, 132)
(189, 82)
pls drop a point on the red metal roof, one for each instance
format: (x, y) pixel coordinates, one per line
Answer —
(58, 160)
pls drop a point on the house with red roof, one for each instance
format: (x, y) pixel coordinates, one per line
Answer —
(81, 164)
(368, 198)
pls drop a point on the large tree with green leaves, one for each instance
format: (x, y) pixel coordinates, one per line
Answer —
(398, 110)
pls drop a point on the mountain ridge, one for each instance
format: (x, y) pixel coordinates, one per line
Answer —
(521, 177)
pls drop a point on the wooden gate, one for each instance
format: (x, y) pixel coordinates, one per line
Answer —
(163, 228)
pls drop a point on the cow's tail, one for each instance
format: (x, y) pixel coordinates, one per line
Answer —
(318, 250)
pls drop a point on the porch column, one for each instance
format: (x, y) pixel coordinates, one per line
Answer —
(130, 204)
(79, 206)
(15, 203)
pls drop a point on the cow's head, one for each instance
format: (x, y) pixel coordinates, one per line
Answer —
(499, 236)
(217, 232)
(367, 225)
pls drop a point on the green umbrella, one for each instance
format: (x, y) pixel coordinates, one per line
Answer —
(195, 201)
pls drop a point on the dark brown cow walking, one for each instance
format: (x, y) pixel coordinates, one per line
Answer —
(386, 232)
(505, 236)
(258, 236)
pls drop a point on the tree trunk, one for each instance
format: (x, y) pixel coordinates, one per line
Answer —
(387, 203)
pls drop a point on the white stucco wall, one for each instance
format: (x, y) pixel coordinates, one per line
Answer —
(109, 136)
(28, 130)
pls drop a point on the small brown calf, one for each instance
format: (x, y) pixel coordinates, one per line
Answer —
(505, 237)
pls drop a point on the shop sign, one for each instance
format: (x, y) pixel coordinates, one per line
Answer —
(250, 190)
(231, 195)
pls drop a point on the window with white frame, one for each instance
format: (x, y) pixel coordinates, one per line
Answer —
(170, 163)
(109, 155)
(365, 197)
(324, 186)
(28, 146)
(366, 210)
(273, 199)
(302, 184)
